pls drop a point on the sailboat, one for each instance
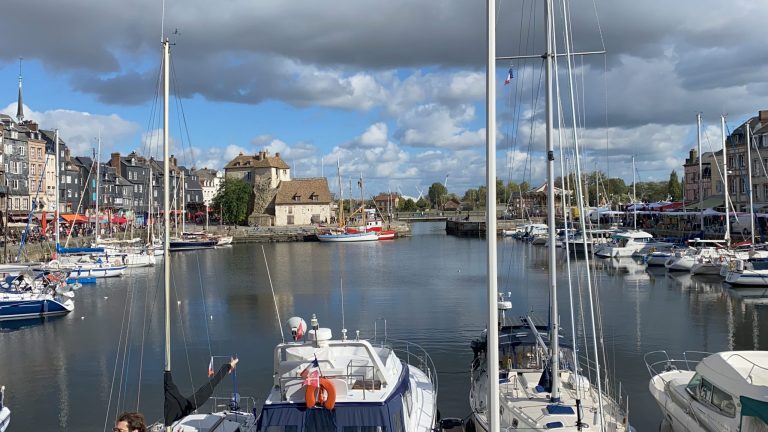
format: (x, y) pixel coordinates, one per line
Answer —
(536, 385)
(232, 419)
(342, 234)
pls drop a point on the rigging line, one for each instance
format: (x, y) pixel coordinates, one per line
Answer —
(128, 298)
(205, 308)
(566, 224)
(271, 287)
(143, 339)
(114, 369)
(154, 113)
(183, 335)
(183, 118)
(568, 47)
(158, 289)
(127, 352)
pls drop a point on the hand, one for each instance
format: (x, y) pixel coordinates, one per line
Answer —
(233, 362)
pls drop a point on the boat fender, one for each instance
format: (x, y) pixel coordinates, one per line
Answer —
(722, 258)
(740, 265)
(325, 394)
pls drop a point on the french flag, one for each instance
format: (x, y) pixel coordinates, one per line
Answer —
(510, 75)
(311, 374)
(210, 368)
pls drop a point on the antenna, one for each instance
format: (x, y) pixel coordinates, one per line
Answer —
(343, 324)
(162, 23)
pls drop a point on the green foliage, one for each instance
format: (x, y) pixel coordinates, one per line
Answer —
(233, 199)
(422, 203)
(407, 206)
(674, 187)
(437, 194)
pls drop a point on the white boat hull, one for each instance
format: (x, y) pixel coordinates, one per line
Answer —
(347, 238)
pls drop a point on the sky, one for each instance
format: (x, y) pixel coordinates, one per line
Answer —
(394, 91)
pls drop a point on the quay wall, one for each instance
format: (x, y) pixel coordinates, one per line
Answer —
(43, 250)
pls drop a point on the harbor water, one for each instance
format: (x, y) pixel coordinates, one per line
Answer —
(78, 372)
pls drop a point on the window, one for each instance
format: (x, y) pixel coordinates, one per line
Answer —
(741, 161)
(290, 222)
(69, 193)
(22, 150)
(32, 169)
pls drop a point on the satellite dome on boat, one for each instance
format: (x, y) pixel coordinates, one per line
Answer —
(504, 305)
(298, 327)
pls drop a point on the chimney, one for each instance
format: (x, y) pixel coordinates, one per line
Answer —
(172, 161)
(277, 155)
(66, 154)
(115, 160)
(31, 125)
(763, 116)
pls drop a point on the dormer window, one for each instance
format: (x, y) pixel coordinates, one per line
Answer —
(314, 197)
(297, 197)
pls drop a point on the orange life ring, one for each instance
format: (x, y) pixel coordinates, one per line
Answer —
(313, 395)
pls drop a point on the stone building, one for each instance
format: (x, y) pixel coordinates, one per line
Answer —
(302, 202)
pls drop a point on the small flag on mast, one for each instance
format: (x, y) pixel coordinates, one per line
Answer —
(210, 368)
(510, 75)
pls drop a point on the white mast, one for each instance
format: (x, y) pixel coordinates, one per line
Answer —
(494, 421)
(166, 214)
(149, 206)
(56, 171)
(183, 204)
(749, 186)
(701, 179)
(98, 178)
(554, 315)
(725, 185)
(634, 195)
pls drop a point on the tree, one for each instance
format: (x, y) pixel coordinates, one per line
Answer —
(233, 199)
(674, 189)
(407, 206)
(437, 193)
(422, 203)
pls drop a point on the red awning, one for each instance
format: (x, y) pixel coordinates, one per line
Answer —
(76, 218)
(119, 220)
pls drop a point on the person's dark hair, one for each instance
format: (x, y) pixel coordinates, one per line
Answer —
(135, 421)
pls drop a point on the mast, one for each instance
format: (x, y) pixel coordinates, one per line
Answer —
(166, 214)
(56, 170)
(340, 222)
(98, 178)
(362, 204)
(725, 184)
(749, 186)
(149, 206)
(634, 195)
(494, 421)
(183, 204)
(701, 180)
(554, 316)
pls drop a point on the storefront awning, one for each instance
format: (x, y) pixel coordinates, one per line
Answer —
(76, 218)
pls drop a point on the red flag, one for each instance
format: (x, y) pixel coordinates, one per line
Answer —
(210, 368)
(311, 374)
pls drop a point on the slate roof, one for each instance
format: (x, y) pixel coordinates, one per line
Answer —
(260, 160)
(301, 191)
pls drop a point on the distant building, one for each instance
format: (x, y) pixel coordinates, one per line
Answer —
(302, 202)
(387, 203)
(15, 164)
(249, 167)
(210, 180)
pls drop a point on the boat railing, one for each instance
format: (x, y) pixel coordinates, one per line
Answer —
(414, 355)
(615, 397)
(360, 376)
(659, 362)
(754, 366)
(235, 403)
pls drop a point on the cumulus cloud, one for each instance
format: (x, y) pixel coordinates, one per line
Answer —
(80, 130)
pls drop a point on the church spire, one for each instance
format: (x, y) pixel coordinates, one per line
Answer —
(20, 106)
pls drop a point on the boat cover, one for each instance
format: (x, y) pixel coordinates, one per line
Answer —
(753, 408)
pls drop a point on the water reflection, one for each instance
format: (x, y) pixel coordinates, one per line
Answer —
(430, 288)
